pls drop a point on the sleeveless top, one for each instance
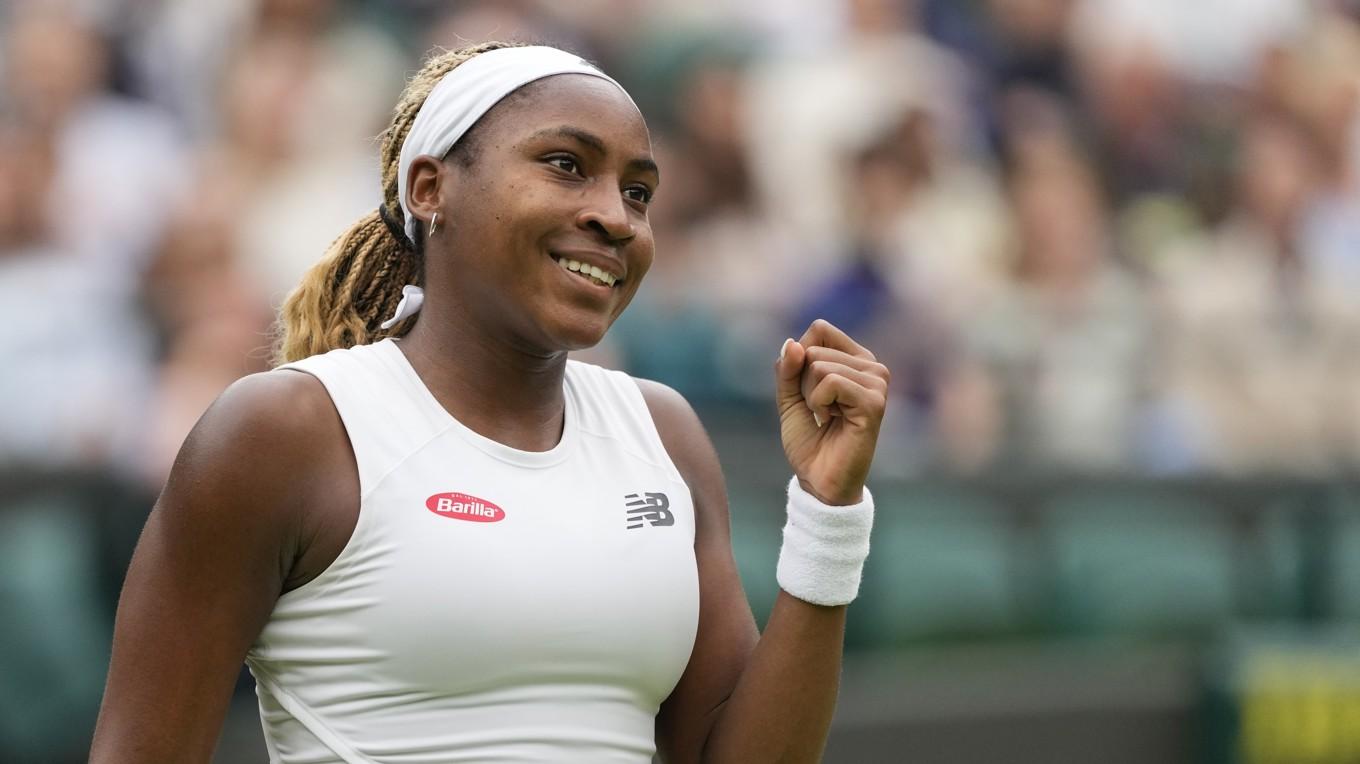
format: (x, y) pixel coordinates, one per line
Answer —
(492, 605)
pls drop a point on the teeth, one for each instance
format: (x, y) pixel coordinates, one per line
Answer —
(588, 271)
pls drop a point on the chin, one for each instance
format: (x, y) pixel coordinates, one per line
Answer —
(556, 333)
(581, 340)
(575, 329)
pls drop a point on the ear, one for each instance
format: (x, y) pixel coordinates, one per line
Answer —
(425, 184)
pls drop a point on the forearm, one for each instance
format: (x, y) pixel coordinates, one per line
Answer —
(782, 705)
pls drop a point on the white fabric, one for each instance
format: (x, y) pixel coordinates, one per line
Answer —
(469, 91)
(412, 297)
(824, 548)
(550, 635)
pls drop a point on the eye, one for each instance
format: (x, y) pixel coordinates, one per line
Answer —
(639, 194)
(565, 163)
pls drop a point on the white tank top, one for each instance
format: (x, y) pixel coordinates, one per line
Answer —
(492, 605)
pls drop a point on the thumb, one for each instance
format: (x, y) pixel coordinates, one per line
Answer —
(788, 374)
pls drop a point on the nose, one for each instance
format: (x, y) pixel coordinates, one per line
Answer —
(606, 214)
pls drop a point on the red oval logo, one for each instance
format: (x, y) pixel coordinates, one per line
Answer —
(460, 506)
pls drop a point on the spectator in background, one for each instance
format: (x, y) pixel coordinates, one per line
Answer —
(810, 109)
(1152, 74)
(91, 177)
(924, 252)
(833, 143)
(1012, 47)
(273, 186)
(300, 110)
(714, 236)
(1052, 370)
(85, 177)
(180, 52)
(1319, 83)
(56, 83)
(1260, 371)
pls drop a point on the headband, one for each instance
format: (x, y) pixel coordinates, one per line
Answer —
(468, 91)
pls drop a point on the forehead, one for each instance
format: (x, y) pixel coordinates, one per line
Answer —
(577, 100)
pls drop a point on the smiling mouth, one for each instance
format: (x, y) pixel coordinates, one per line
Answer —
(590, 273)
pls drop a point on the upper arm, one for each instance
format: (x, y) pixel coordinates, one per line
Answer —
(727, 630)
(216, 553)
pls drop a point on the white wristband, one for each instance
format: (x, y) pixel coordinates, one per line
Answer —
(824, 548)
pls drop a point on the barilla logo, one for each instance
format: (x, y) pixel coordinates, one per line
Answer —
(460, 506)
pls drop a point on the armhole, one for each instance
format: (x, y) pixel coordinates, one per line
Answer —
(657, 444)
(648, 431)
(310, 586)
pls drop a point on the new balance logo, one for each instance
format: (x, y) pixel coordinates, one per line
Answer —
(647, 508)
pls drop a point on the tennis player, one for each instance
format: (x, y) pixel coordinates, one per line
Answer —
(433, 538)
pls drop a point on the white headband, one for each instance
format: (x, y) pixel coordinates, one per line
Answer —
(469, 91)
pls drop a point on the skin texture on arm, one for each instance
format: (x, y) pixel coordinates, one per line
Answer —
(745, 698)
(235, 527)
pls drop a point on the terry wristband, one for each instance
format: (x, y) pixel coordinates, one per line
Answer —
(824, 548)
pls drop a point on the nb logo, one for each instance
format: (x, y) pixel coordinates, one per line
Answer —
(647, 508)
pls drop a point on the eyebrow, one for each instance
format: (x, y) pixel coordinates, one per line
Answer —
(644, 164)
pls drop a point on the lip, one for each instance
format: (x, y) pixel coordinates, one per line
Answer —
(602, 260)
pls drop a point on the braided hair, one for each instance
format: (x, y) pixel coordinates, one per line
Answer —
(344, 298)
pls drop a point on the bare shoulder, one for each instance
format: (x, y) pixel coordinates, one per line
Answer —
(263, 425)
(266, 460)
(280, 404)
(669, 408)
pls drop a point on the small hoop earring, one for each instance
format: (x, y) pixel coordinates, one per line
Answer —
(434, 224)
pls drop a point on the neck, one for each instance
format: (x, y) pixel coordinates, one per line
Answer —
(509, 394)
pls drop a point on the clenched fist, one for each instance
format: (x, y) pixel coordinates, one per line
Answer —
(831, 394)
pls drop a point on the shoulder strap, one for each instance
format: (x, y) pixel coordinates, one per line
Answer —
(611, 404)
(384, 418)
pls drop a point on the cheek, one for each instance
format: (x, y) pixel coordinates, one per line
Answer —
(642, 256)
(647, 248)
(640, 262)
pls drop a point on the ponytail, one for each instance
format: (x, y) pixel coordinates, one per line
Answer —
(345, 297)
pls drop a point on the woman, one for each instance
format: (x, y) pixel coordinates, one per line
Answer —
(448, 543)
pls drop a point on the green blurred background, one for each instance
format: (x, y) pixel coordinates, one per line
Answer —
(1109, 248)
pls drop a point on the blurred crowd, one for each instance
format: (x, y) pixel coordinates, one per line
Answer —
(1086, 235)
